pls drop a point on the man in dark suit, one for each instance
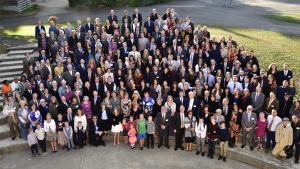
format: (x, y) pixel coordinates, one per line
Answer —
(63, 107)
(188, 20)
(193, 104)
(215, 54)
(226, 111)
(28, 92)
(284, 74)
(263, 81)
(89, 77)
(285, 106)
(82, 69)
(247, 85)
(225, 66)
(125, 50)
(155, 34)
(51, 39)
(132, 41)
(180, 101)
(174, 48)
(137, 15)
(241, 76)
(80, 36)
(149, 25)
(38, 29)
(95, 101)
(28, 61)
(163, 121)
(213, 67)
(47, 69)
(178, 37)
(81, 28)
(89, 26)
(193, 57)
(162, 39)
(249, 120)
(95, 132)
(112, 17)
(96, 86)
(155, 75)
(179, 127)
(69, 75)
(79, 53)
(58, 78)
(43, 56)
(125, 25)
(270, 104)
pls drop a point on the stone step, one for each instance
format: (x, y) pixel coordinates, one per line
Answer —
(19, 52)
(33, 46)
(8, 146)
(16, 67)
(10, 75)
(11, 63)
(4, 131)
(2, 119)
(18, 57)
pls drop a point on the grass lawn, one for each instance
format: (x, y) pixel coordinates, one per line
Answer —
(292, 18)
(269, 47)
(34, 9)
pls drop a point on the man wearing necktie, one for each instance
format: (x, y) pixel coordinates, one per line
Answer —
(163, 122)
(95, 133)
(258, 99)
(249, 120)
(179, 127)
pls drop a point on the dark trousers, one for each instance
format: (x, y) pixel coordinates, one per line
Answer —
(297, 152)
(163, 135)
(179, 136)
(34, 148)
(93, 140)
(42, 144)
(270, 137)
(150, 136)
(211, 146)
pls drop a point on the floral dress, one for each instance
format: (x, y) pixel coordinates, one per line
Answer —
(34, 116)
(234, 130)
(126, 106)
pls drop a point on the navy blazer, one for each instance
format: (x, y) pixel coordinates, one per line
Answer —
(79, 55)
(87, 28)
(178, 103)
(108, 112)
(123, 53)
(195, 109)
(281, 77)
(150, 28)
(112, 19)
(82, 71)
(250, 87)
(38, 31)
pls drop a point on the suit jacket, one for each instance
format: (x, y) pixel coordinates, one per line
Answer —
(58, 80)
(143, 44)
(195, 108)
(111, 19)
(150, 28)
(157, 76)
(249, 87)
(65, 118)
(246, 123)
(86, 78)
(68, 31)
(38, 31)
(178, 103)
(79, 55)
(139, 17)
(123, 28)
(125, 53)
(26, 64)
(87, 27)
(159, 24)
(159, 41)
(195, 59)
(130, 44)
(224, 68)
(51, 41)
(82, 71)
(269, 107)
(69, 77)
(228, 115)
(100, 88)
(258, 103)
(62, 108)
(177, 121)
(160, 121)
(27, 95)
(155, 35)
(81, 38)
(41, 57)
(95, 107)
(108, 112)
(281, 77)
(46, 72)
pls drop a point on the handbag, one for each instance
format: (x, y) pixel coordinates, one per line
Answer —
(288, 149)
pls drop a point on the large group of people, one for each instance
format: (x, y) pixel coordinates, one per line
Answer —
(160, 77)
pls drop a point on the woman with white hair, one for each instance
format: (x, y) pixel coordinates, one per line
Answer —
(86, 106)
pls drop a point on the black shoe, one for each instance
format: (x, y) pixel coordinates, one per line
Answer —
(168, 147)
(158, 146)
(175, 149)
(211, 156)
(20, 137)
(181, 148)
(224, 159)
(141, 148)
(103, 144)
(297, 161)
(288, 157)
(220, 157)
(251, 148)
(152, 147)
(33, 155)
(148, 147)
(68, 149)
(198, 152)
(208, 155)
(203, 154)
(75, 148)
(13, 138)
(243, 146)
(145, 145)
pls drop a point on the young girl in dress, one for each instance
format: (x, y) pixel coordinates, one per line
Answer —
(132, 136)
(125, 131)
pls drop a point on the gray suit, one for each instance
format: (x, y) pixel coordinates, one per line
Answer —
(69, 77)
(219, 119)
(258, 102)
(248, 123)
(68, 31)
(143, 43)
(159, 24)
(27, 63)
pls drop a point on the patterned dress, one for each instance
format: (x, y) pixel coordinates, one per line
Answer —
(34, 116)
(126, 106)
(86, 107)
(234, 130)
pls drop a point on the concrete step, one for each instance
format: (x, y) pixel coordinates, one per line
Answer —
(16, 67)
(4, 131)
(8, 146)
(9, 75)
(20, 52)
(18, 57)
(2, 119)
(33, 46)
(11, 63)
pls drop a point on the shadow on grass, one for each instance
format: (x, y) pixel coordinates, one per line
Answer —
(291, 18)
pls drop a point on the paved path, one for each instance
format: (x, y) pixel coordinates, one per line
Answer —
(245, 13)
(117, 157)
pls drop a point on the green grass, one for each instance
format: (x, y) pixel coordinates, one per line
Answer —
(292, 18)
(269, 47)
(34, 9)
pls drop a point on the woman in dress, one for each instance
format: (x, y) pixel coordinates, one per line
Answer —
(143, 88)
(126, 106)
(260, 131)
(171, 109)
(86, 108)
(174, 92)
(61, 138)
(234, 128)
(155, 90)
(80, 117)
(34, 117)
(50, 129)
(23, 112)
(165, 90)
(116, 127)
(189, 132)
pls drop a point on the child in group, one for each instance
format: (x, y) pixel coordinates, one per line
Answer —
(80, 135)
(141, 129)
(132, 136)
(223, 139)
(150, 131)
(125, 131)
(200, 130)
(32, 141)
(60, 133)
(69, 135)
(40, 134)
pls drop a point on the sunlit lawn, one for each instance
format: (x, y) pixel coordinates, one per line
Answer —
(292, 18)
(268, 46)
